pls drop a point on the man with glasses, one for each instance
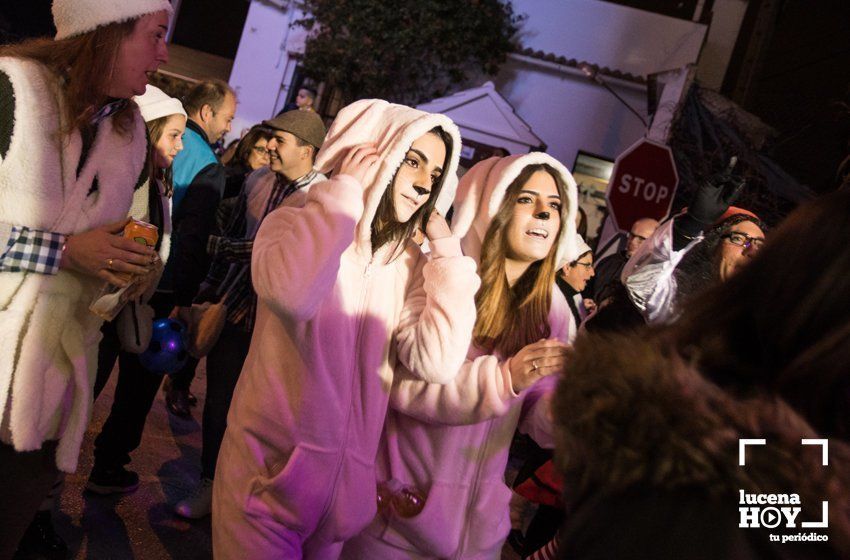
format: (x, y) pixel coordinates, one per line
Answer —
(608, 269)
(706, 244)
(742, 237)
(572, 280)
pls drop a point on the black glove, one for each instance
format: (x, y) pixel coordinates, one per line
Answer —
(711, 200)
(716, 194)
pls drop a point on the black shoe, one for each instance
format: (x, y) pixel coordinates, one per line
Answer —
(169, 391)
(177, 402)
(41, 541)
(112, 481)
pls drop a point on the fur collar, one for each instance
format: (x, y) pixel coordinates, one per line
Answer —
(632, 413)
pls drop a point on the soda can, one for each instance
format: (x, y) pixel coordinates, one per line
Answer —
(141, 232)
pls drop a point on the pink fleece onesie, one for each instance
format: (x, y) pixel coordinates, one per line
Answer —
(451, 441)
(295, 475)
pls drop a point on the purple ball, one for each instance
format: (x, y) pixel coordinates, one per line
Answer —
(166, 352)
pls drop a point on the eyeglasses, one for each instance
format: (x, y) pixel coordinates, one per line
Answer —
(589, 265)
(743, 240)
(260, 150)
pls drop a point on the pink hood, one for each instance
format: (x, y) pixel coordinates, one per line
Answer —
(480, 193)
(393, 128)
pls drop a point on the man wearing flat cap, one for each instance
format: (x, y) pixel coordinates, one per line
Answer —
(298, 135)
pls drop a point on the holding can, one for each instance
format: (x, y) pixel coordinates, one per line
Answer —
(111, 298)
(141, 232)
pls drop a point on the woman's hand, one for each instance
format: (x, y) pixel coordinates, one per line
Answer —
(146, 282)
(536, 360)
(358, 161)
(437, 227)
(589, 305)
(103, 252)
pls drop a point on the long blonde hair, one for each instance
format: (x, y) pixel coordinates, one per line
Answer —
(511, 317)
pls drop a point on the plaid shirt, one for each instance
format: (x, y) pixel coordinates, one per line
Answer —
(30, 250)
(229, 277)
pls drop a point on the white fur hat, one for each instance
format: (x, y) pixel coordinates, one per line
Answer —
(75, 17)
(581, 247)
(155, 103)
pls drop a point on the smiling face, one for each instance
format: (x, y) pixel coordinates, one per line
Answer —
(140, 54)
(170, 141)
(217, 122)
(536, 220)
(419, 173)
(289, 156)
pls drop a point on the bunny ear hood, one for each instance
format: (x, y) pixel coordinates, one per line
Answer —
(392, 128)
(482, 189)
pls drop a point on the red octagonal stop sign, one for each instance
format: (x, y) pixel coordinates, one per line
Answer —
(642, 184)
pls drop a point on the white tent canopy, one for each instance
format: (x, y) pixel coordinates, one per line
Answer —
(484, 116)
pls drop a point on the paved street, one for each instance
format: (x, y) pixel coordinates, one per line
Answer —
(141, 525)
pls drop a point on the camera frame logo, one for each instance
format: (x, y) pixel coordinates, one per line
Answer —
(780, 511)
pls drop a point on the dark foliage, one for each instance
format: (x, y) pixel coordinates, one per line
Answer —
(406, 51)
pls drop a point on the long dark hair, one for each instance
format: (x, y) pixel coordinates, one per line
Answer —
(509, 317)
(385, 226)
(782, 323)
(246, 145)
(82, 67)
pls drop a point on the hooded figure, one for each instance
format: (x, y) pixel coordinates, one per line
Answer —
(295, 474)
(448, 444)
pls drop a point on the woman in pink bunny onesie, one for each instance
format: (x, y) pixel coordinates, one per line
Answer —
(344, 297)
(448, 444)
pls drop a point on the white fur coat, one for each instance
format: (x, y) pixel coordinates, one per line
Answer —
(48, 336)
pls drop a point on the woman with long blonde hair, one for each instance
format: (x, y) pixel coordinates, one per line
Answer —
(445, 447)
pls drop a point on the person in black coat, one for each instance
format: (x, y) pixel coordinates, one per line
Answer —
(649, 423)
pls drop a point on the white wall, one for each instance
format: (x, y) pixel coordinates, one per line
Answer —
(567, 111)
(610, 35)
(263, 61)
(571, 113)
(722, 35)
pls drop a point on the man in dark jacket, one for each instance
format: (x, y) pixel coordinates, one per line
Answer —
(199, 181)
(608, 269)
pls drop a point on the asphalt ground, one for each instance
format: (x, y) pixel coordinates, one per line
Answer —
(141, 524)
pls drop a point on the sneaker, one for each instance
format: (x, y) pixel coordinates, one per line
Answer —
(41, 541)
(199, 504)
(112, 481)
